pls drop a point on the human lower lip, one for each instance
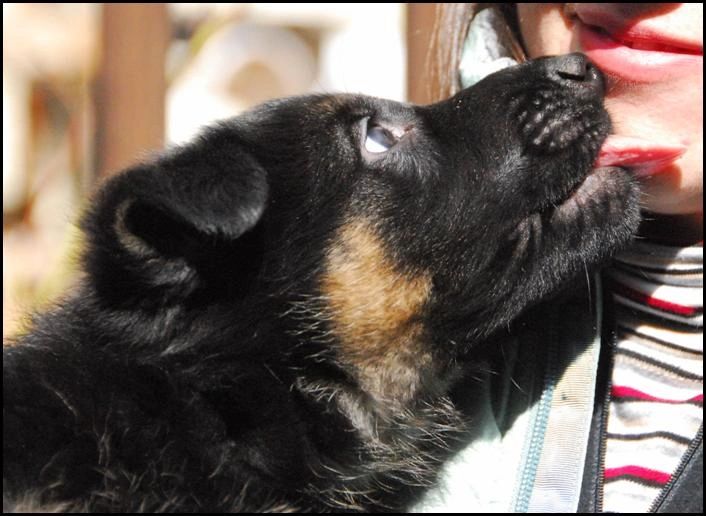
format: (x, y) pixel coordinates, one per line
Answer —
(642, 157)
(643, 61)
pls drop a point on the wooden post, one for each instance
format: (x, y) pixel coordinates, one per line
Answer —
(130, 96)
(421, 82)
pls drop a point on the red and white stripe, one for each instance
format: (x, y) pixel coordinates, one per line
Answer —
(656, 405)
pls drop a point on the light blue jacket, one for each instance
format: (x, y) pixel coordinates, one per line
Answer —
(533, 417)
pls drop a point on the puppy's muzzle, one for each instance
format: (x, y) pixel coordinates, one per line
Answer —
(576, 71)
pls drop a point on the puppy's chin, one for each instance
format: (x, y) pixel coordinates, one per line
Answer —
(569, 238)
(603, 199)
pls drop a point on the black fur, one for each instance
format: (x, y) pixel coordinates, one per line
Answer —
(199, 364)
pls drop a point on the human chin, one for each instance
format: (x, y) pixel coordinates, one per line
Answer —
(679, 191)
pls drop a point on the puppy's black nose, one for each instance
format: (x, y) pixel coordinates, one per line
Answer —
(574, 70)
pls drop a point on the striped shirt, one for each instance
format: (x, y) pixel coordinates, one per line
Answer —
(656, 405)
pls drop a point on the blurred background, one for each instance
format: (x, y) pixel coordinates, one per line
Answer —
(90, 88)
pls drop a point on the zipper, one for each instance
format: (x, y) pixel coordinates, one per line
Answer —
(609, 342)
(696, 441)
(535, 444)
(603, 431)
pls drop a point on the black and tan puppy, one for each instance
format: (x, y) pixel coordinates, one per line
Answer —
(271, 317)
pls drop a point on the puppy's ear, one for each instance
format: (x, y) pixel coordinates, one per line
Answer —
(165, 228)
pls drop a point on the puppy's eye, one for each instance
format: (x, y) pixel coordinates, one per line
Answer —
(378, 139)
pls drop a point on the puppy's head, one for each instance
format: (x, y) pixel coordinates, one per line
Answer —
(392, 234)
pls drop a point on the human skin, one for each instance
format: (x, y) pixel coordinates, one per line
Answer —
(661, 103)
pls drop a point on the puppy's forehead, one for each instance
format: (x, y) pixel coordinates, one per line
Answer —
(362, 105)
(332, 104)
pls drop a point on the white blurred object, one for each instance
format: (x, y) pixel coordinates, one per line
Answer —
(203, 10)
(367, 55)
(241, 65)
(361, 49)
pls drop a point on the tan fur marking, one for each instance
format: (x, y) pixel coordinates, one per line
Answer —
(375, 309)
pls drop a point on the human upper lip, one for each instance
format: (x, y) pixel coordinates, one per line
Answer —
(642, 51)
(644, 34)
